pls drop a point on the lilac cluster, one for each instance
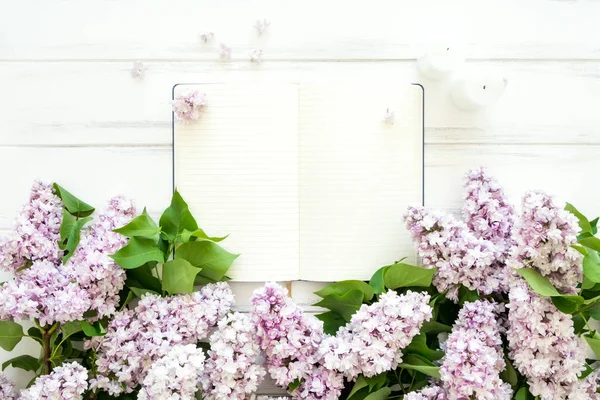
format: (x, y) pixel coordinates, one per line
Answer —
(67, 382)
(474, 358)
(543, 344)
(136, 339)
(372, 342)
(7, 388)
(93, 269)
(231, 370)
(52, 292)
(174, 376)
(188, 107)
(460, 257)
(586, 389)
(428, 393)
(37, 230)
(544, 235)
(290, 342)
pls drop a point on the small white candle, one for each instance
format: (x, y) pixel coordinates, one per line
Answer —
(438, 63)
(477, 91)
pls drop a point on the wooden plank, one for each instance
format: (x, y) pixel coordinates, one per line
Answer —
(307, 30)
(99, 103)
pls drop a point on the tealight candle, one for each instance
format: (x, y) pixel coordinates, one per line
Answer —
(439, 63)
(473, 92)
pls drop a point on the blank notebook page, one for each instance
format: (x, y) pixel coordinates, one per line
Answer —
(237, 167)
(357, 176)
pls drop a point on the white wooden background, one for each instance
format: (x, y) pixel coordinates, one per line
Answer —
(70, 110)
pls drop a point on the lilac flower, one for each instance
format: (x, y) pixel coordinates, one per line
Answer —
(487, 212)
(231, 370)
(544, 235)
(206, 37)
(174, 376)
(188, 107)
(290, 343)
(389, 117)
(460, 257)
(256, 56)
(261, 25)
(428, 393)
(136, 339)
(372, 342)
(37, 230)
(224, 52)
(67, 382)
(586, 389)
(543, 344)
(138, 70)
(92, 268)
(7, 388)
(474, 358)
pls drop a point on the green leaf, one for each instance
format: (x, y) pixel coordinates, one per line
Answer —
(584, 223)
(509, 375)
(212, 258)
(70, 233)
(343, 287)
(73, 205)
(345, 305)
(590, 241)
(420, 364)
(381, 394)
(70, 328)
(186, 236)
(138, 252)
(587, 283)
(594, 345)
(178, 276)
(294, 385)
(35, 334)
(594, 224)
(523, 394)
(594, 311)
(538, 283)
(580, 249)
(419, 346)
(567, 304)
(93, 330)
(24, 362)
(435, 327)
(588, 370)
(11, 334)
(465, 295)
(377, 282)
(377, 381)
(177, 217)
(404, 275)
(332, 322)
(139, 292)
(591, 266)
(143, 278)
(358, 385)
(142, 225)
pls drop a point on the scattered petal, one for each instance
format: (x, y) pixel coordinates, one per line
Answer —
(261, 25)
(225, 52)
(138, 70)
(389, 117)
(206, 37)
(256, 56)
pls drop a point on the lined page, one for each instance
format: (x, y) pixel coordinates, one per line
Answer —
(238, 169)
(357, 176)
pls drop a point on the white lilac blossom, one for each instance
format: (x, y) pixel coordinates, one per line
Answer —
(261, 25)
(290, 342)
(487, 211)
(135, 339)
(67, 382)
(587, 388)
(7, 388)
(37, 230)
(542, 343)
(544, 237)
(372, 342)
(231, 370)
(428, 393)
(474, 358)
(174, 376)
(91, 265)
(138, 70)
(460, 257)
(224, 52)
(256, 56)
(189, 106)
(206, 37)
(389, 117)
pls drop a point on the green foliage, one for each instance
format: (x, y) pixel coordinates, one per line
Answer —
(343, 287)
(24, 362)
(141, 226)
(138, 252)
(177, 217)
(74, 206)
(11, 334)
(344, 305)
(405, 275)
(70, 233)
(178, 276)
(420, 364)
(209, 257)
(95, 329)
(332, 322)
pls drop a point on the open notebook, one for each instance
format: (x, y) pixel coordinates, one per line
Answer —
(307, 178)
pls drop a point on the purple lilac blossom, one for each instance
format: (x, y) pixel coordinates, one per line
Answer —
(586, 389)
(67, 382)
(460, 257)
(474, 358)
(544, 235)
(176, 375)
(428, 393)
(542, 343)
(37, 230)
(135, 339)
(372, 342)
(188, 107)
(7, 388)
(231, 370)
(290, 342)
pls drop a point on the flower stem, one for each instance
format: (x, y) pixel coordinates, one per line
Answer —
(47, 347)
